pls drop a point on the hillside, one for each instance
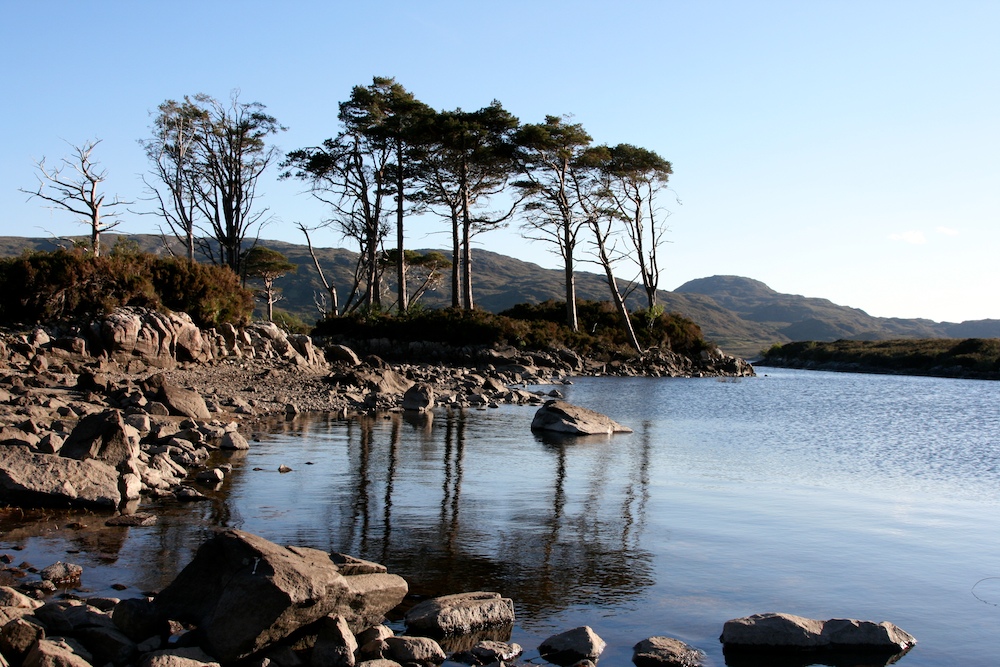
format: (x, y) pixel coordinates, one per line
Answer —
(743, 316)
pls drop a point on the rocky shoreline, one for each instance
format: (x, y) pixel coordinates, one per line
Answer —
(132, 406)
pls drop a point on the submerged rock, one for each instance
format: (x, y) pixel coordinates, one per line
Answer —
(563, 417)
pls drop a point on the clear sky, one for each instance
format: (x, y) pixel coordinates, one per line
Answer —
(840, 149)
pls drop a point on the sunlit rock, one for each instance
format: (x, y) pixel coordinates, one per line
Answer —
(563, 417)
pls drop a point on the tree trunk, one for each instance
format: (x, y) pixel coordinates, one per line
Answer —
(467, 263)
(401, 291)
(616, 296)
(456, 253)
(571, 318)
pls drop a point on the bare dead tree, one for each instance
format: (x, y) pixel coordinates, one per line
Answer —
(74, 186)
(330, 287)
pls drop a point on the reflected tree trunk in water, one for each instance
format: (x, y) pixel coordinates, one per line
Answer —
(454, 452)
(359, 507)
(390, 477)
(555, 521)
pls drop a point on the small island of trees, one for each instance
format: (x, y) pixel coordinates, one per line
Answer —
(391, 158)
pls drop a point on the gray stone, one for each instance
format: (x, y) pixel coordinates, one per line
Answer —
(58, 652)
(103, 436)
(108, 645)
(191, 656)
(46, 479)
(666, 652)
(233, 440)
(572, 646)
(487, 652)
(415, 649)
(10, 597)
(335, 643)
(563, 417)
(419, 397)
(184, 402)
(139, 619)
(61, 573)
(245, 593)
(342, 353)
(369, 597)
(788, 630)
(460, 613)
(374, 633)
(18, 635)
(210, 476)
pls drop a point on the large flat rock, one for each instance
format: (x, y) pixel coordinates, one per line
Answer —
(28, 478)
(563, 417)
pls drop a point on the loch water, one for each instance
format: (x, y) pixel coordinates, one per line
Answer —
(827, 495)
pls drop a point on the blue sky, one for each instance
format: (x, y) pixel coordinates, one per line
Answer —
(847, 150)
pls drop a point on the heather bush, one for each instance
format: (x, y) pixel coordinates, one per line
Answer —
(64, 284)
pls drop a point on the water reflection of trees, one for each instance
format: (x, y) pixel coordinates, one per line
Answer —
(550, 558)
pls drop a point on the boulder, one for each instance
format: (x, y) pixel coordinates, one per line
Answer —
(419, 397)
(33, 479)
(184, 402)
(61, 573)
(563, 417)
(488, 652)
(567, 648)
(58, 652)
(18, 635)
(245, 593)
(382, 381)
(342, 353)
(415, 649)
(460, 613)
(369, 597)
(233, 440)
(103, 436)
(335, 643)
(790, 631)
(10, 597)
(191, 656)
(666, 652)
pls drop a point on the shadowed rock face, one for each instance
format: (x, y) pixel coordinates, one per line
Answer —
(563, 417)
(245, 593)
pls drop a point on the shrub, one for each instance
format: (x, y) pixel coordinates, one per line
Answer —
(525, 326)
(48, 286)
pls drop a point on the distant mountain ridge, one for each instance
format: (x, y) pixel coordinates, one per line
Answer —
(742, 315)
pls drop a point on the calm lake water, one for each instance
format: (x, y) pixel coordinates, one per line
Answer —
(819, 494)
